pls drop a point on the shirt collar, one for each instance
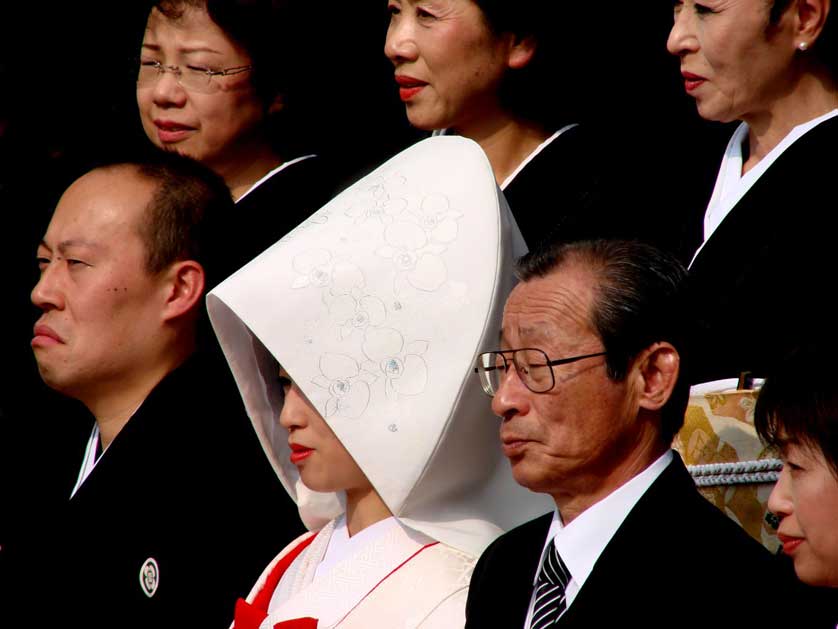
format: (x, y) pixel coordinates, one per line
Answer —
(581, 542)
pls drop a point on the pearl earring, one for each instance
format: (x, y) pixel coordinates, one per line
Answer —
(802, 46)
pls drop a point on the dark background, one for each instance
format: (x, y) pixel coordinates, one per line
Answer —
(67, 101)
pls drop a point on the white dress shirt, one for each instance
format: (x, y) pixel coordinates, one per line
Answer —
(581, 542)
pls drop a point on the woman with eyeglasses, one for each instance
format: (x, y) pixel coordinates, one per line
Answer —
(216, 81)
(352, 344)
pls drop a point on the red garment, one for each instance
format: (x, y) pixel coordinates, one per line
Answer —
(251, 615)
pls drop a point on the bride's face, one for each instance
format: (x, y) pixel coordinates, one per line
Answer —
(323, 462)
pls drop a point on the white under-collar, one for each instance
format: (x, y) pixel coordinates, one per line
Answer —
(282, 166)
(90, 459)
(731, 184)
(341, 545)
(533, 155)
(528, 158)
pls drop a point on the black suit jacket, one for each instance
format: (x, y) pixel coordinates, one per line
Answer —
(763, 281)
(676, 561)
(184, 483)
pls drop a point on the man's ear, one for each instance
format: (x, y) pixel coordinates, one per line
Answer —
(184, 285)
(658, 366)
(521, 51)
(810, 18)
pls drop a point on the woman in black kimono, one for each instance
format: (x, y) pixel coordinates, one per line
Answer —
(760, 280)
(498, 73)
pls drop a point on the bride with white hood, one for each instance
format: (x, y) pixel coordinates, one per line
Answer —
(352, 341)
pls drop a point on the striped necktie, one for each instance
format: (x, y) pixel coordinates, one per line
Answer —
(550, 590)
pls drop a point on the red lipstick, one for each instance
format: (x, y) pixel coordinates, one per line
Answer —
(409, 86)
(298, 453)
(692, 81)
(790, 544)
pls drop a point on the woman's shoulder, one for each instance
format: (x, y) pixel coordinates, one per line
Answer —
(429, 590)
(293, 549)
(302, 540)
(817, 144)
(449, 557)
(305, 176)
(273, 572)
(436, 572)
(567, 152)
(454, 568)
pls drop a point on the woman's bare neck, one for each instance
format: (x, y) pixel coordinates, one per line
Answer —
(364, 507)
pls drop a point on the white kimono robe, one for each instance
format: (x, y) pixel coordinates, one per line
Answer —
(400, 580)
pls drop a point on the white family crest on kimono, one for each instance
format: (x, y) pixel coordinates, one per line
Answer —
(376, 307)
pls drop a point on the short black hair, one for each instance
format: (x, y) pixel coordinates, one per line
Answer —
(639, 301)
(186, 214)
(799, 401)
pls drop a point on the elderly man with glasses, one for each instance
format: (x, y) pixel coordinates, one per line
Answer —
(589, 384)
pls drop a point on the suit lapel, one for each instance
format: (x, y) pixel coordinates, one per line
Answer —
(618, 567)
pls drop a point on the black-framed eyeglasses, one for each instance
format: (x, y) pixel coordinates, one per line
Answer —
(192, 78)
(534, 367)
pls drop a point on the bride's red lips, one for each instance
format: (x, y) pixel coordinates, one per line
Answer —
(405, 80)
(298, 452)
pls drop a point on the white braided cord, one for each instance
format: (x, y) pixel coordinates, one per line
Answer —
(740, 472)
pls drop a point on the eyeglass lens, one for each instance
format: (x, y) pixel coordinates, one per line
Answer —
(531, 364)
(197, 80)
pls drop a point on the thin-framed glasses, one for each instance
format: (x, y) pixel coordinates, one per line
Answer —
(534, 367)
(192, 78)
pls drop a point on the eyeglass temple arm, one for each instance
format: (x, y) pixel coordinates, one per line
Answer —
(564, 361)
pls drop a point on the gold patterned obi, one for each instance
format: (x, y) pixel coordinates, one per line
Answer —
(731, 467)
